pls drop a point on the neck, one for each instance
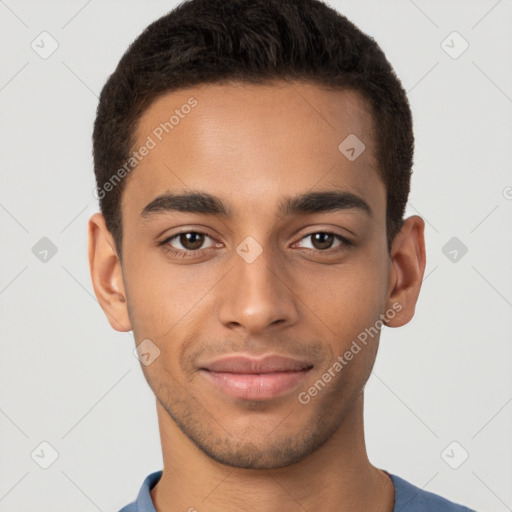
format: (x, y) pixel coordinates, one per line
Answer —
(337, 477)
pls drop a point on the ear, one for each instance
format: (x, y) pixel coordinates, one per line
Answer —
(106, 274)
(406, 271)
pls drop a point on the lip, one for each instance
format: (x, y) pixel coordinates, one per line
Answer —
(237, 363)
(255, 379)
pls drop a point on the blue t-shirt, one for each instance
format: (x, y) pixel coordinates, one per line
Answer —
(408, 498)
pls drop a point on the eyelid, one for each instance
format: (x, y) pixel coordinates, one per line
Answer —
(332, 230)
(169, 238)
(345, 242)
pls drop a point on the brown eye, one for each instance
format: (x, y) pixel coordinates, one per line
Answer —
(191, 241)
(322, 240)
(188, 244)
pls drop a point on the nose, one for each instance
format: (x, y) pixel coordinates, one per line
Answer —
(257, 295)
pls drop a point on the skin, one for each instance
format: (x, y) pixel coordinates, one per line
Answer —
(252, 145)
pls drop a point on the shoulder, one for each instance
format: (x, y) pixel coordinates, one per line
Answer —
(409, 498)
(143, 502)
(132, 507)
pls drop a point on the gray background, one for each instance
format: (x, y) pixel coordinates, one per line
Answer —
(68, 379)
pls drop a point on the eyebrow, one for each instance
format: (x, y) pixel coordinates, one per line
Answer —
(205, 203)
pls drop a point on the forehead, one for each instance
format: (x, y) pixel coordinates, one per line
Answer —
(252, 144)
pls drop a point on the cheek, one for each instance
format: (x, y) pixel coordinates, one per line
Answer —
(350, 297)
(150, 298)
(163, 297)
(350, 309)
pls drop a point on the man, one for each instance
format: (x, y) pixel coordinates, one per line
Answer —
(253, 163)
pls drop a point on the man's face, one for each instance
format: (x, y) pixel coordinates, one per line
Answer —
(306, 295)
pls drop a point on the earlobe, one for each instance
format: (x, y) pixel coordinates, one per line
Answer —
(406, 271)
(106, 274)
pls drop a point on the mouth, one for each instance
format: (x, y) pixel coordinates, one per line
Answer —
(255, 378)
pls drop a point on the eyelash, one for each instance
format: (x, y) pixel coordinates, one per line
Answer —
(193, 253)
